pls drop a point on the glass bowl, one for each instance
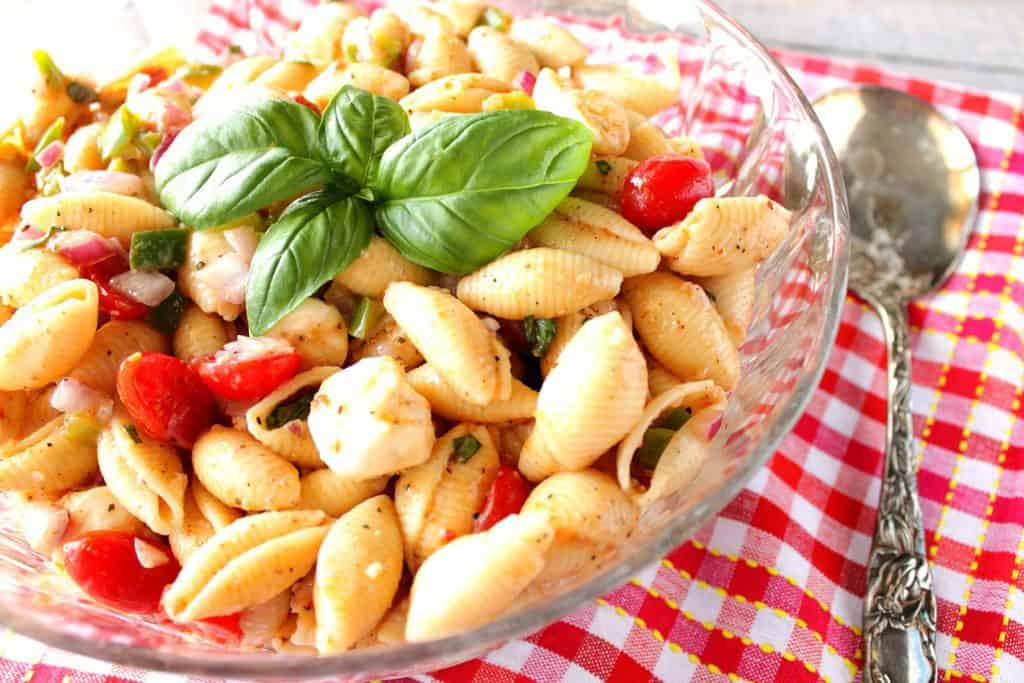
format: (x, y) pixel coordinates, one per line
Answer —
(761, 137)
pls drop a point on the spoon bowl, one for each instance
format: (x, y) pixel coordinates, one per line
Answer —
(913, 183)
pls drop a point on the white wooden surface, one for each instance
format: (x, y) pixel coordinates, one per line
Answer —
(975, 42)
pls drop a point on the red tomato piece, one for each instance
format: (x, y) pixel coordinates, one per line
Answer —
(112, 302)
(662, 190)
(506, 497)
(165, 397)
(248, 369)
(106, 566)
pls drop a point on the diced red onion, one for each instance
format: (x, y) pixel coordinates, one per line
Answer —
(250, 348)
(43, 525)
(148, 555)
(139, 82)
(82, 247)
(146, 287)
(175, 85)
(71, 396)
(28, 232)
(175, 117)
(243, 240)
(162, 147)
(227, 276)
(525, 80)
(51, 154)
(105, 181)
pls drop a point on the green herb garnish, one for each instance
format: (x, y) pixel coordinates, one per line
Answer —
(465, 447)
(495, 18)
(365, 317)
(166, 315)
(132, 432)
(603, 166)
(295, 407)
(53, 133)
(540, 333)
(81, 93)
(158, 249)
(118, 133)
(429, 193)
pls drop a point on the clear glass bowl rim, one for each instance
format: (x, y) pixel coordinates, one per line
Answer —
(413, 655)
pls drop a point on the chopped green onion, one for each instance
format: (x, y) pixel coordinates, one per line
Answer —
(365, 318)
(352, 52)
(133, 433)
(48, 68)
(465, 447)
(149, 141)
(53, 133)
(158, 249)
(81, 93)
(655, 441)
(603, 166)
(118, 133)
(295, 407)
(234, 49)
(166, 315)
(120, 165)
(674, 419)
(40, 240)
(539, 333)
(495, 18)
(82, 429)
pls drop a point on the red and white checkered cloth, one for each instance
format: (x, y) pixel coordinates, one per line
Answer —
(772, 589)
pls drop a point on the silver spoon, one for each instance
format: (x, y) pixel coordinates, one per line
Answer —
(913, 185)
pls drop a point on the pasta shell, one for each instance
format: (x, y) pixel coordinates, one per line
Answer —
(606, 175)
(193, 531)
(391, 629)
(453, 340)
(48, 336)
(113, 342)
(367, 421)
(199, 334)
(370, 77)
(316, 331)
(334, 494)
(438, 500)
(421, 17)
(498, 56)
(242, 72)
(291, 440)
(242, 473)
(542, 282)
(461, 94)
(647, 140)
(589, 401)
(585, 228)
(590, 516)
(685, 452)
(106, 213)
(15, 186)
(604, 117)
(205, 248)
(357, 574)
(388, 339)
(680, 327)
(733, 295)
(144, 475)
(57, 457)
(38, 410)
(476, 578)
(12, 415)
(378, 39)
(436, 55)
(96, 509)
(723, 235)
(463, 14)
(261, 623)
(290, 76)
(659, 379)
(318, 37)
(378, 266)
(246, 563)
(553, 44)
(447, 403)
(646, 94)
(25, 274)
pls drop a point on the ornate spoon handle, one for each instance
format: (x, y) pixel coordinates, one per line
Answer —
(899, 611)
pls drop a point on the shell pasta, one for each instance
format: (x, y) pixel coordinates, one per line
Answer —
(367, 341)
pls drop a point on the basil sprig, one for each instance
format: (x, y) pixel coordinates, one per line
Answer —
(451, 197)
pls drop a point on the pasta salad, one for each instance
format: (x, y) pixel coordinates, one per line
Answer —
(371, 342)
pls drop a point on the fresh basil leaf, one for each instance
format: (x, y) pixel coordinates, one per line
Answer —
(540, 333)
(295, 407)
(224, 166)
(166, 315)
(356, 128)
(316, 238)
(461, 192)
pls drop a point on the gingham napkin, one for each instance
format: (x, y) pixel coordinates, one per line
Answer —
(772, 589)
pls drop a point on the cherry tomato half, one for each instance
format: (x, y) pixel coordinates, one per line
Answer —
(165, 397)
(506, 497)
(661, 190)
(245, 377)
(105, 564)
(116, 305)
